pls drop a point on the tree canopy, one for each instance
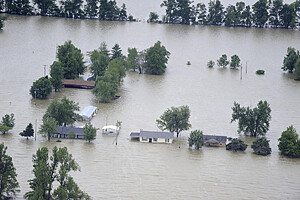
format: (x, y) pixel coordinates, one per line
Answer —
(156, 58)
(261, 146)
(57, 74)
(175, 119)
(28, 132)
(254, 122)
(48, 127)
(41, 88)
(71, 60)
(236, 145)
(289, 143)
(62, 111)
(8, 176)
(99, 64)
(196, 139)
(223, 62)
(2, 19)
(235, 62)
(7, 123)
(54, 171)
(89, 132)
(290, 60)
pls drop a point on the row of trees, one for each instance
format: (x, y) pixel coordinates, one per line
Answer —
(291, 62)
(234, 63)
(108, 68)
(94, 9)
(273, 13)
(52, 179)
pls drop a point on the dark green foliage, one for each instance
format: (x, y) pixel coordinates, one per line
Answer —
(21, 7)
(223, 62)
(210, 64)
(28, 132)
(123, 13)
(54, 171)
(91, 8)
(196, 139)
(297, 69)
(62, 111)
(235, 62)
(215, 14)
(156, 58)
(57, 74)
(46, 7)
(175, 119)
(89, 132)
(260, 72)
(254, 122)
(48, 127)
(261, 146)
(71, 60)
(99, 63)
(132, 59)
(2, 19)
(7, 123)
(153, 17)
(236, 145)
(289, 143)
(8, 176)
(275, 12)
(290, 59)
(260, 13)
(41, 88)
(201, 9)
(116, 52)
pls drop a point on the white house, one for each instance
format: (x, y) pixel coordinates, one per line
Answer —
(153, 136)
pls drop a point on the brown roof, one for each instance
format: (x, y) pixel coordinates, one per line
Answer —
(78, 83)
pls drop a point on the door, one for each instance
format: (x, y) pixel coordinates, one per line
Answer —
(150, 140)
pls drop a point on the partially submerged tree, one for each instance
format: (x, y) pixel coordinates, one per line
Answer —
(223, 62)
(254, 122)
(236, 145)
(289, 143)
(116, 52)
(2, 19)
(235, 62)
(54, 172)
(57, 75)
(210, 64)
(175, 119)
(99, 63)
(28, 132)
(132, 59)
(261, 146)
(41, 88)
(8, 176)
(196, 139)
(290, 60)
(48, 127)
(89, 132)
(153, 17)
(7, 123)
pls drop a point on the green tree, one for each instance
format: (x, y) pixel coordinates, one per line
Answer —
(48, 127)
(89, 131)
(123, 13)
(223, 62)
(71, 135)
(231, 17)
(153, 17)
(261, 146)
(171, 10)
(196, 139)
(28, 132)
(103, 49)
(235, 62)
(260, 13)
(41, 88)
(8, 176)
(286, 16)
(290, 59)
(45, 7)
(201, 8)
(275, 10)
(62, 111)
(7, 123)
(289, 143)
(116, 67)
(22, 7)
(210, 64)
(57, 74)
(132, 59)
(246, 18)
(215, 14)
(254, 122)
(54, 171)
(156, 58)
(2, 19)
(236, 145)
(240, 9)
(175, 119)
(99, 63)
(71, 59)
(116, 52)
(297, 69)
(91, 8)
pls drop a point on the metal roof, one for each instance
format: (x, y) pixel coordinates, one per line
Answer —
(88, 111)
(155, 134)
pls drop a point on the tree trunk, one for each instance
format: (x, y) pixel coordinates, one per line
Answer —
(27, 137)
(48, 136)
(177, 134)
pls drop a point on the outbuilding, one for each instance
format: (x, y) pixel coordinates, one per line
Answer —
(88, 113)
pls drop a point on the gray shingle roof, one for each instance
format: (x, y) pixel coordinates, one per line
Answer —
(222, 139)
(67, 130)
(155, 134)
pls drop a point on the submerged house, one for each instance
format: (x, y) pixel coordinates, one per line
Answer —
(88, 113)
(63, 132)
(153, 136)
(214, 140)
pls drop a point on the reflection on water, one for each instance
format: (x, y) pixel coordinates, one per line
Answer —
(133, 170)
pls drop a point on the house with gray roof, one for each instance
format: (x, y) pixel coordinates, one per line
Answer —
(63, 132)
(153, 136)
(214, 140)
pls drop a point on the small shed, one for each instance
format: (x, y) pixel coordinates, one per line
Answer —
(88, 113)
(63, 132)
(153, 136)
(110, 129)
(214, 140)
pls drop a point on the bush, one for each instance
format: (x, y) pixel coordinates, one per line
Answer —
(260, 72)
(261, 146)
(236, 145)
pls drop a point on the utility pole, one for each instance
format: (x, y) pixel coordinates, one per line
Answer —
(44, 70)
(35, 130)
(241, 72)
(246, 67)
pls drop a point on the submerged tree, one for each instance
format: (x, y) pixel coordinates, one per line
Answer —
(254, 122)
(261, 146)
(236, 145)
(41, 88)
(210, 64)
(7, 123)
(196, 139)
(2, 19)
(223, 62)
(28, 132)
(289, 143)
(235, 62)
(89, 132)
(8, 176)
(290, 60)
(175, 119)
(48, 127)
(57, 74)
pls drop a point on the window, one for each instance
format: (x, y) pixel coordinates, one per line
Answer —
(144, 139)
(155, 139)
(167, 140)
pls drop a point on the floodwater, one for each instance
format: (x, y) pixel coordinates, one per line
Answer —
(133, 170)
